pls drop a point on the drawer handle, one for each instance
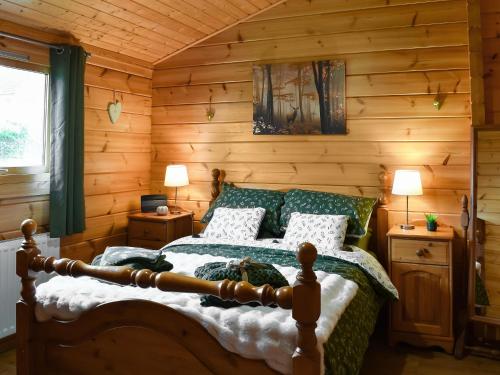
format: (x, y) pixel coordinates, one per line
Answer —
(421, 252)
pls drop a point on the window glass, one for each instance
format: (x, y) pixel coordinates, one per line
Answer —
(23, 118)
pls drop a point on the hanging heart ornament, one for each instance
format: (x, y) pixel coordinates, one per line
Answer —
(114, 111)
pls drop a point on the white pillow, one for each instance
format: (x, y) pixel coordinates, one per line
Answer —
(325, 232)
(235, 223)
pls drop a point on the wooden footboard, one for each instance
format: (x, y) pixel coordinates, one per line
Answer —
(127, 337)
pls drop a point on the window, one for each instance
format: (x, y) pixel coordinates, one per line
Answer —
(23, 121)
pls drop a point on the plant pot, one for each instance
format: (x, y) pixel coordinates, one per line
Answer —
(432, 226)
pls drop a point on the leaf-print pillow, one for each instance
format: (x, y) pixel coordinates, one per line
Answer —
(235, 223)
(325, 232)
(234, 197)
(359, 209)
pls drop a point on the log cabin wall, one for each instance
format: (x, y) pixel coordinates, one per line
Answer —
(490, 28)
(399, 57)
(117, 156)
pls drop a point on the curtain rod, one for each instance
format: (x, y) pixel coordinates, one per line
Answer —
(57, 47)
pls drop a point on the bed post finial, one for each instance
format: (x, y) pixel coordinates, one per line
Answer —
(28, 227)
(306, 359)
(215, 184)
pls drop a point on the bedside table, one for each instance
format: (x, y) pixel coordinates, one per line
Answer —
(421, 268)
(152, 231)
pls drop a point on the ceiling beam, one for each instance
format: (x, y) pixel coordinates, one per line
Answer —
(36, 34)
(166, 57)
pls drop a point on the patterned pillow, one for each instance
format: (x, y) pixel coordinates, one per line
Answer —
(235, 223)
(325, 232)
(359, 209)
(234, 197)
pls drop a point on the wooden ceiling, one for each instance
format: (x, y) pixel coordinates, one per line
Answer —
(149, 30)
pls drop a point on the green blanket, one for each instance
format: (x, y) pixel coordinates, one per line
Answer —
(133, 257)
(345, 348)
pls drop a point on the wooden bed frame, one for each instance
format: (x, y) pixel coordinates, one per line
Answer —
(139, 336)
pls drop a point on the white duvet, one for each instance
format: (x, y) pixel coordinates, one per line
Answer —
(253, 332)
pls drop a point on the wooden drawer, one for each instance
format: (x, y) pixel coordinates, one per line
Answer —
(147, 230)
(415, 251)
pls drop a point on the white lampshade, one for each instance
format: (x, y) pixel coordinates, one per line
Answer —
(176, 175)
(407, 182)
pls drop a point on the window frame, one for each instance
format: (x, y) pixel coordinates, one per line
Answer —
(15, 172)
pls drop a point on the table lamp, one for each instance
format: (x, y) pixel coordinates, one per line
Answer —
(176, 176)
(407, 182)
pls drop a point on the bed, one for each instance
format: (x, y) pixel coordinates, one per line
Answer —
(80, 323)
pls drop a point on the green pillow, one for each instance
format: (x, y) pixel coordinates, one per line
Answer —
(359, 209)
(363, 242)
(256, 274)
(234, 197)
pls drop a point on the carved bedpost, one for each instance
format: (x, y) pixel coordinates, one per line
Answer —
(24, 257)
(469, 260)
(383, 217)
(306, 359)
(215, 184)
(25, 306)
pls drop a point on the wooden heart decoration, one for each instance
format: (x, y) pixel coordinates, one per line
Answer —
(114, 111)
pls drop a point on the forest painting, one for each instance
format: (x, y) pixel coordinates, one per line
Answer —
(300, 98)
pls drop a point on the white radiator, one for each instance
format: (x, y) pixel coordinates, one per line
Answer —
(10, 283)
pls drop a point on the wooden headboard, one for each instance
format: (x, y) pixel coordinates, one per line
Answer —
(378, 222)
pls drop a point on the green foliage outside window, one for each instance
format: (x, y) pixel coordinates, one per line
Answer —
(13, 142)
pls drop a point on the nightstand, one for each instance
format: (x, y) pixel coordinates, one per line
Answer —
(421, 268)
(151, 231)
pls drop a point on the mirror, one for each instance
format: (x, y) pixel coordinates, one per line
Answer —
(484, 296)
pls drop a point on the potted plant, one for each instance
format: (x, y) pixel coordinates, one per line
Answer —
(431, 220)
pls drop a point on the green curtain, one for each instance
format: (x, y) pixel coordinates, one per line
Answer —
(67, 205)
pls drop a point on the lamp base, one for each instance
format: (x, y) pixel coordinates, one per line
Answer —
(407, 226)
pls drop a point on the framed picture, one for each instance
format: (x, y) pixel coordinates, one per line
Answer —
(299, 98)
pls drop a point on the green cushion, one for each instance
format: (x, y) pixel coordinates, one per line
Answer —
(363, 242)
(359, 209)
(234, 197)
(258, 274)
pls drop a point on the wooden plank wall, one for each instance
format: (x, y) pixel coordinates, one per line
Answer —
(117, 156)
(398, 57)
(490, 27)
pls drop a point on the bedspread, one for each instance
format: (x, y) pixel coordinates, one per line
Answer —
(253, 332)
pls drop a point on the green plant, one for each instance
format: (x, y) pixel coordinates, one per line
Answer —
(431, 218)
